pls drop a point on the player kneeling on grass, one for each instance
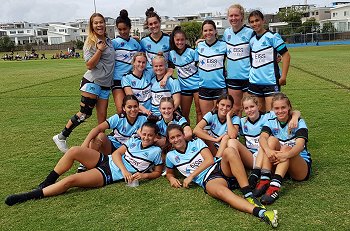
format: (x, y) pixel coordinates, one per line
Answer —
(194, 160)
(284, 148)
(129, 162)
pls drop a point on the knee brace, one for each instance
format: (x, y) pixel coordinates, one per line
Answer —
(86, 110)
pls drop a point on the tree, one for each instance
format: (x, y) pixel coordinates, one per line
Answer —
(293, 17)
(6, 44)
(193, 31)
(309, 26)
(328, 27)
(79, 44)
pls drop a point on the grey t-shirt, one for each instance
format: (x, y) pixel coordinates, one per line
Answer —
(102, 74)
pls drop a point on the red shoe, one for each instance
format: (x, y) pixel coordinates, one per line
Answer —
(271, 195)
(260, 189)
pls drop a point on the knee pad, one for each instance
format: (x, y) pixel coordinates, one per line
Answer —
(89, 104)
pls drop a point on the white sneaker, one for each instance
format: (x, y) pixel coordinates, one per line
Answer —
(81, 168)
(61, 144)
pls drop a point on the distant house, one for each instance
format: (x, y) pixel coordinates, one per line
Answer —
(20, 32)
(340, 17)
(59, 33)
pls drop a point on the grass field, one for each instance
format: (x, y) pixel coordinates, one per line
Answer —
(37, 98)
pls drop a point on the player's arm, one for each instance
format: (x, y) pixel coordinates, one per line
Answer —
(117, 159)
(188, 133)
(94, 132)
(169, 72)
(265, 147)
(232, 130)
(285, 68)
(293, 123)
(199, 131)
(294, 151)
(170, 175)
(157, 172)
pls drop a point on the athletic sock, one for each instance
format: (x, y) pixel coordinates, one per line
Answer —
(61, 136)
(50, 179)
(247, 191)
(276, 181)
(265, 174)
(254, 177)
(259, 212)
(19, 198)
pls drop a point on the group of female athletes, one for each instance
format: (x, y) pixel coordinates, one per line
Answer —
(152, 128)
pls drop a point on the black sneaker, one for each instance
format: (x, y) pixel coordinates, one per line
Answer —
(271, 195)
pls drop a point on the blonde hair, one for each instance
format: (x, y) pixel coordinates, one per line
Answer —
(91, 39)
(238, 6)
(137, 55)
(250, 97)
(160, 56)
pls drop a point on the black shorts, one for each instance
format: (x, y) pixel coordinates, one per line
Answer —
(188, 92)
(211, 94)
(105, 170)
(216, 172)
(237, 84)
(117, 84)
(263, 90)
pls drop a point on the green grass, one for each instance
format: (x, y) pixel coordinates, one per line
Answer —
(37, 98)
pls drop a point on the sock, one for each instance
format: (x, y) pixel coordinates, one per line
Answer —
(76, 121)
(19, 198)
(259, 212)
(254, 176)
(265, 174)
(247, 191)
(50, 179)
(276, 181)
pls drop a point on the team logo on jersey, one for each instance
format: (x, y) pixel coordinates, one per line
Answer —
(217, 50)
(244, 39)
(188, 170)
(138, 95)
(202, 62)
(202, 49)
(177, 159)
(174, 59)
(213, 126)
(275, 131)
(124, 129)
(149, 46)
(194, 149)
(133, 83)
(229, 51)
(228, 37)
(145, 154)
(164, 47)
(108, 179)
(245, 128)
(135, 46)
(122, 44)
(264, 44)
(132, 145)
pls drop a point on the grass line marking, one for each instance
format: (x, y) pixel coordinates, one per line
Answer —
(323, 78)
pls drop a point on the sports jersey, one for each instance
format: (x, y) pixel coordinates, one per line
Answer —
(141, 87)
(238, 52)
(152, 47)
(123, 129)
(264, 49)
(251, 130)
(124, 52)
(188, 161)
(211, 62)
(136, 158)
(288, 137)
(187, 70)
(217, 128)
(177, 119)
(172, 87)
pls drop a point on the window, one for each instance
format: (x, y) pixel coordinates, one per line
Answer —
(82, 30)
(312, 13)
(12, 32)
(20, 32)
(45, 32)
(28, 31)
(345, 13)
(39, 33)
(327, 12)
(316, 12)
(333, 14)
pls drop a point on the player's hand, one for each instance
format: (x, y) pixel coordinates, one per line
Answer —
(175, 183)
(101, 45)
(187, 182)
(271, 154)
(139, 176)
(218, 139)
(280, 157)
(230, 114)
(127, 176)
(293, 123)
(282, 81)
(162, 83)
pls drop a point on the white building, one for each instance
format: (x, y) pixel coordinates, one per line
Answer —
(20, 32)
(340, 18)
(58, 33)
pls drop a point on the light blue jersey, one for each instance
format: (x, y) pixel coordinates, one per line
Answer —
(177, 119)
(288, 137)
(264, 49)
(151, 47)
(141, 87)
(218, 128)
(187, 70)
(188, 161)
(123, 129)
(251, 130)
(238, 52)
(211, 64)
(124, 52)
(172, 87)
(136, 158)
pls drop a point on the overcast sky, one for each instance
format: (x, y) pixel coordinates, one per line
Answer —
(38, 11)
